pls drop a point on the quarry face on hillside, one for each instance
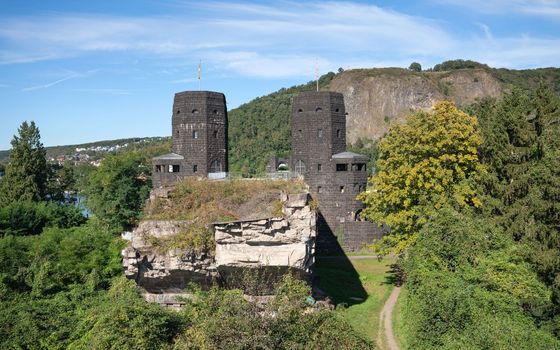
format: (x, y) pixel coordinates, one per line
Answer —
(375, 98)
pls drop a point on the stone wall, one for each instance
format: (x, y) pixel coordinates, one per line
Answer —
(263, 249)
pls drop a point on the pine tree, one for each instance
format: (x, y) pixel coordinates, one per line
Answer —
(26, 172)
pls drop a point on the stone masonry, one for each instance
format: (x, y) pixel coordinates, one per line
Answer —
(335, 176)
(268, 246)
(199, 136)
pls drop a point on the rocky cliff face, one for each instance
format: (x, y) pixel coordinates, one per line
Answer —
(265, 248)
(375, 98)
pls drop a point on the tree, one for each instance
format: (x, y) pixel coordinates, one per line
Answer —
(116, 191)
(423, 164)
(521, 151)
(415, 67)
(26, 173)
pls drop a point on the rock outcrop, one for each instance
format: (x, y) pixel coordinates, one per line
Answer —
(375, 98)
(262, 248)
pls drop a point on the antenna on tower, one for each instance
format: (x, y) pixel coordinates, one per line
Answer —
(198, 73)
(317, 72)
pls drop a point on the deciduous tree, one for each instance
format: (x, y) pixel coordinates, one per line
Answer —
(421, 165)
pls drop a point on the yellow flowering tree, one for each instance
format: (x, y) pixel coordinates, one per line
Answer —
(423, 164)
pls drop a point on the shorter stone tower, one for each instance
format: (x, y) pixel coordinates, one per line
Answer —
(199, 135)
(334, 176)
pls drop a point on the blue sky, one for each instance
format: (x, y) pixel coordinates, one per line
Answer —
(96, 70)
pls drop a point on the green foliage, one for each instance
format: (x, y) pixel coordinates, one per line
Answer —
(422, 165)
(116, 191)
(223, 319)
(60, 179)
(123, 320)
(47, 281)
(458, 64)
(196, 237)
(26, 173)
(29, 218)
(521, 149)
(415, 67)
(465, 279)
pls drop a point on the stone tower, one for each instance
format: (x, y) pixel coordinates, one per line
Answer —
(334, 176)
(199, 135)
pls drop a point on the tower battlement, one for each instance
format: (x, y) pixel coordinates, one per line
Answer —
(199, 128)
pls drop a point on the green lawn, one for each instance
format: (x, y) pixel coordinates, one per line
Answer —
(362, 285)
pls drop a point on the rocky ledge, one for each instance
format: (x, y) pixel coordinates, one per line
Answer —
(254, 252)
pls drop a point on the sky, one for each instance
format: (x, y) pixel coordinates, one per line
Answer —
(97, 70)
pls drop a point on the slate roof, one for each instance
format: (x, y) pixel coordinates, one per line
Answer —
(349, 155)
(173, 156)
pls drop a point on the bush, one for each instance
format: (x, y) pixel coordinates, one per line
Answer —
(24, 218)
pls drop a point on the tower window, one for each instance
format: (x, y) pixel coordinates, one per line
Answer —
(319, 132)
(173, 168)
(215, 134)
(195, 168)
(318, 109)
(341, 189)
(215, 166)
(158, 168)
(300, 167)
(195, 134)
(337, 110)
(178, 111)
(338, 133)
(319, 189)
(300, 110)
(215, 111)
(195, 111)
(319, 167)
(342, 167)
(299, 132)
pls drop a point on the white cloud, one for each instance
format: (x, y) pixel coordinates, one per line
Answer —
(68, 76)
(52, 83)
(271, 41)
(547, 8)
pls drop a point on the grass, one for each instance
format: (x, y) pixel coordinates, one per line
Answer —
(207, 201)
(398, 320)
(360, 285)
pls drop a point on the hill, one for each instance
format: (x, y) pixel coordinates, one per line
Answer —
(93, 151)
(374, 99)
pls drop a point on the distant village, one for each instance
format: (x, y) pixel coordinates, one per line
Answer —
(94, 154)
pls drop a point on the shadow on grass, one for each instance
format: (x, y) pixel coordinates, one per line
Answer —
(395, 275)
(333, 272)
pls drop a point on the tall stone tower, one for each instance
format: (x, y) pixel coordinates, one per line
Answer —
(318, 132)
(199, 135)
(334, 176)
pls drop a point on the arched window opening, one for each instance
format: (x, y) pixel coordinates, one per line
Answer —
(337, 110)
(300, 167)
(178, 111)
(300, 110)
(215, 166)
(195, 111)
(215, 111)
(318, 109)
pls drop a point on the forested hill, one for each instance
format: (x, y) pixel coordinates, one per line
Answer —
(374, 99)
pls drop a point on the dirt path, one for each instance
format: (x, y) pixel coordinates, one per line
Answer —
(386, 319)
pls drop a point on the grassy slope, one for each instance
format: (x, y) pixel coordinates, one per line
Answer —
(338, 279)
